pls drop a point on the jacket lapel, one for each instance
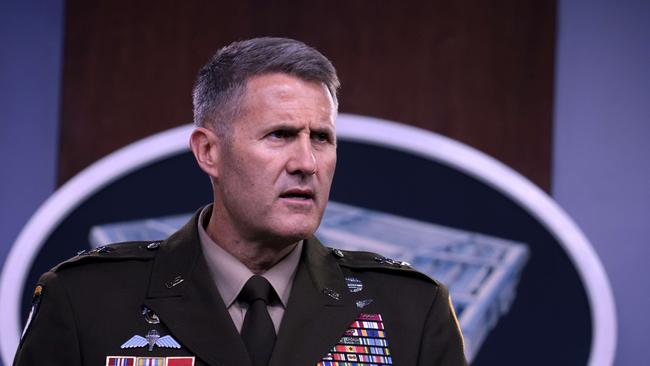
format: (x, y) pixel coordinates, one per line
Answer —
(319, 310)
(182, 294)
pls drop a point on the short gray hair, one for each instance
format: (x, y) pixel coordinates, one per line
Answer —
(221, 83)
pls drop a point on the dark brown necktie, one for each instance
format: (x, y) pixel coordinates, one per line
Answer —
(258, 332)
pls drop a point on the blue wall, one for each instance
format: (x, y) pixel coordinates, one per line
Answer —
(31, 39)
(31, 43)
(602, 135)
(602, 145)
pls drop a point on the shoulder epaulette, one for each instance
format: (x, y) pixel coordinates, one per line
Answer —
(369, 260)
(120, 251)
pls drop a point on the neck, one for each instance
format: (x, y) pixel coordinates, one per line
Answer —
(256, 255)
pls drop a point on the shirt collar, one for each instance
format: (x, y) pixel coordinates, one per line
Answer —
(230, 275)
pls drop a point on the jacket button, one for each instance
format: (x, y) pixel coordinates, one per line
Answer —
(338, 253)
(153, 245)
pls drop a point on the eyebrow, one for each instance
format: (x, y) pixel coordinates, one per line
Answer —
(326, 130)
(289, 127)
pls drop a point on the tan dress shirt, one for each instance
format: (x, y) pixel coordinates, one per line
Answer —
(230, 276)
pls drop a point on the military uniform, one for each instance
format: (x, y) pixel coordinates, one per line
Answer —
(345, 308)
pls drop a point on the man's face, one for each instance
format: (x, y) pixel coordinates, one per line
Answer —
(276, 167)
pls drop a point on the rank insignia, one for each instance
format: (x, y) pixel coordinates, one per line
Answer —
(354, 284)
(363, 344)
(152, 339)
(120, 361)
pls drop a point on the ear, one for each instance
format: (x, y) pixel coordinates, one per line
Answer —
(205, 146)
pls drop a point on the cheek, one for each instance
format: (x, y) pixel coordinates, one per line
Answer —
(328, 166)
(251, 167)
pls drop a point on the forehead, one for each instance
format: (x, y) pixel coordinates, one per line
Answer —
(272, 88)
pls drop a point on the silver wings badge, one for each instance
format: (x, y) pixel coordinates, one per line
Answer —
(152, 338)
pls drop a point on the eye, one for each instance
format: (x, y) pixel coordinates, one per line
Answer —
(280, 134)
(321, 136)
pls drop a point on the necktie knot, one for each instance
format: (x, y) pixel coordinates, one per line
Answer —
(257, 288)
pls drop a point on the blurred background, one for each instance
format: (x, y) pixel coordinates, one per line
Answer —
(559, 91)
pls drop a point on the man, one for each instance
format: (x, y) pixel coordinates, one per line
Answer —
(245, 282)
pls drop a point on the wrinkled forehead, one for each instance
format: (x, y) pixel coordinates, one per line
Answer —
(280, 93)
(281, 78)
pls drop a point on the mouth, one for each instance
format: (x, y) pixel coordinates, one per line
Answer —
(298, 194)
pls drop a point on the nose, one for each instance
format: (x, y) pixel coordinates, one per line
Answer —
(302, 160)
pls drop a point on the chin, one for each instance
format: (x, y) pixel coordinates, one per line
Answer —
(291, 228)
(298, 232)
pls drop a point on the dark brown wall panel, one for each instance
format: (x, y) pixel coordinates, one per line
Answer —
(479, 72)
